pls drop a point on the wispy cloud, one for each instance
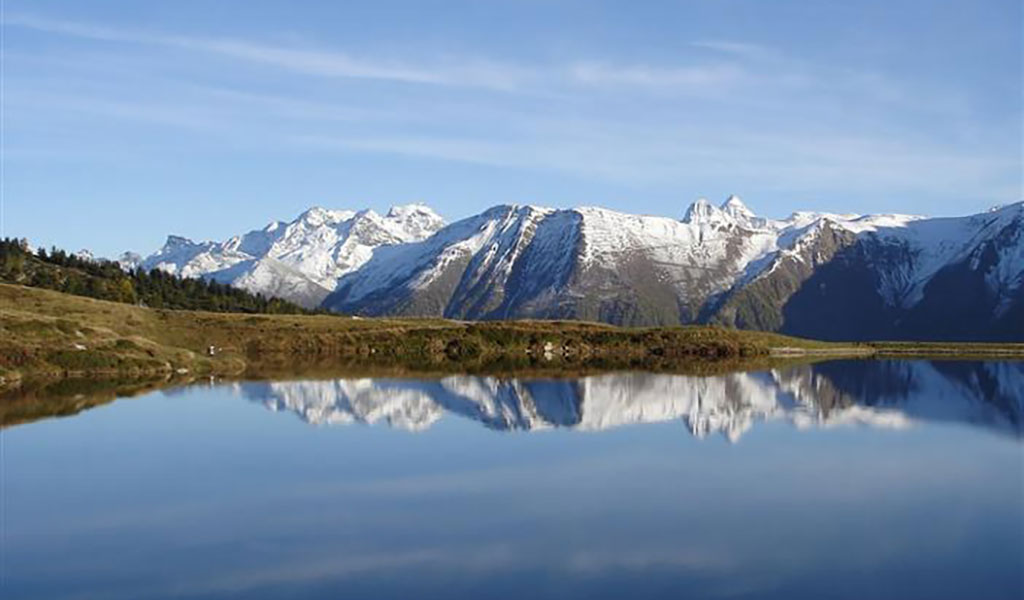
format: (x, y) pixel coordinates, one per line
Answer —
(734, 110)
(475, 73)
(461, 71)
(707, 77)
(726, 68)
(778, 161)
(741, 49)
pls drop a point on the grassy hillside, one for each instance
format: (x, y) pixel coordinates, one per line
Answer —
(49, 333)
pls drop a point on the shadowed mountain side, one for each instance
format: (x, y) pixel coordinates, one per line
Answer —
(936, 279)
(841, 299)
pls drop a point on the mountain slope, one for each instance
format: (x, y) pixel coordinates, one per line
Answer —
(935, 279)
(816, 275)
(585, 263)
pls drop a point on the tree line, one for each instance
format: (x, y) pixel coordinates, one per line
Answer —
(107, 280)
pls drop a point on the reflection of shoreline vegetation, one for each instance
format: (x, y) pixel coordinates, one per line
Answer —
(38, 399)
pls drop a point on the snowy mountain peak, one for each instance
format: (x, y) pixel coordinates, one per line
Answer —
(402, 211)
(735, 208)
(177, 241)
(367, 213)
(129, 260)
(732, 212)
(301, 260)
(701, 211)
(417, 220)
(318, 215)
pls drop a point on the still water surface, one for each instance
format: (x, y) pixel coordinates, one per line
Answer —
(847, 479)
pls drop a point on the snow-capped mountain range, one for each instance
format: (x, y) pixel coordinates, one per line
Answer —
(301, 260)
(885, 276)
(874, 393)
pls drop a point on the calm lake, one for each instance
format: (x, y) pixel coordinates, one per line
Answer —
(844, 479)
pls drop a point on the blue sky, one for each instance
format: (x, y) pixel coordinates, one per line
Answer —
(124, 121)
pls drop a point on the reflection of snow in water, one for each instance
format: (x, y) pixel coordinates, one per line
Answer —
(891, 394)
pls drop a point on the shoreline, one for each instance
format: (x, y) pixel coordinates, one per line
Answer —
(47, 334)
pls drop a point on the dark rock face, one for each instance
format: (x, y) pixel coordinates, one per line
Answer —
(762, 304)
(840, 301)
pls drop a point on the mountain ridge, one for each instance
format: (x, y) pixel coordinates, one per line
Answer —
(718, 264)
(300, 260)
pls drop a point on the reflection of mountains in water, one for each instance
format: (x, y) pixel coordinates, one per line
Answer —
(879, 393)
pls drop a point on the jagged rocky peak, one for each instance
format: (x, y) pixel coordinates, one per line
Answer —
(301, 259)
(177, 244)
(174, 241)
(701, 211)
(732, 212)
(735, 208)
(129, 260)
(417, 219)
(318, 215)
(413, 210)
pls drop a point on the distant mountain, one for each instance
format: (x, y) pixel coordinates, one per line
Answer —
(300, 261)
(829, 276)
(894, 394)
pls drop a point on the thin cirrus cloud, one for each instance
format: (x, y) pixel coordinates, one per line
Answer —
(710, 78)
(471, 73)
(716, 67)
(793, 125)
(309, 62)
(775, 161)
(742, 49)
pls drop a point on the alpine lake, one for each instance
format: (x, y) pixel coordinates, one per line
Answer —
(834, 479)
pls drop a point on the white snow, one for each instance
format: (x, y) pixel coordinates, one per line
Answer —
(301, 260)
(711, 250)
